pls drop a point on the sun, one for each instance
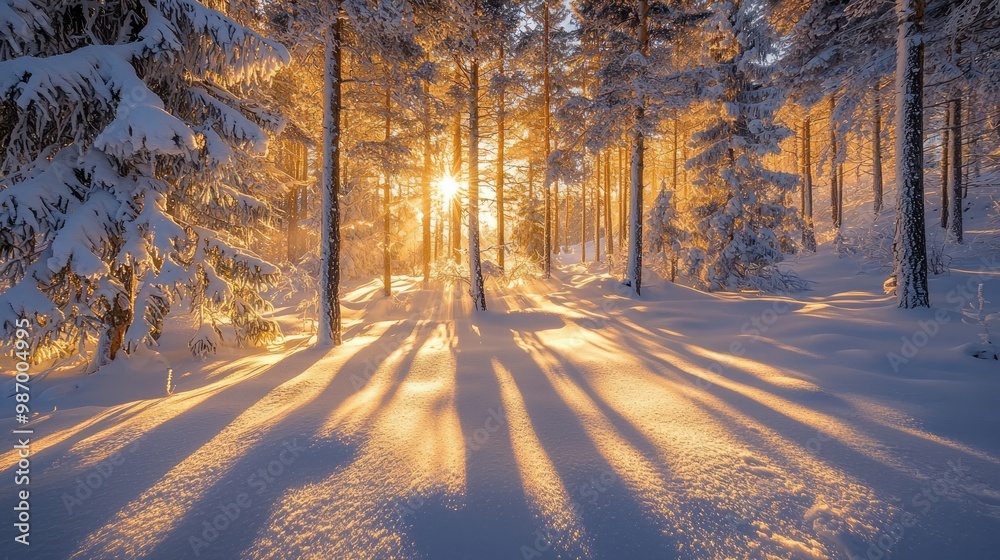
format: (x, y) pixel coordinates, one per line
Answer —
(448, 187)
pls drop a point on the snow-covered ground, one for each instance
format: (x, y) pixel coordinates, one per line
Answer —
(569, 421)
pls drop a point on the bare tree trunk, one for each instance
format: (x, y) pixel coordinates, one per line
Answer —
(809, 236)
(673, 157)
(565, 243)
(329, 320)
(608, 245)
(477, 290)
(840, 194)
(583, 220)
(455, 231)
(546, 97)
(910, 247)
(501, 123)
(684, 169)
(877, 183)
(597, 210)
(633, 270)
(622, 210)
(945, 177)
(955, 123)
(425, 187)
(292, 201)
(834, 175)
(386, 206)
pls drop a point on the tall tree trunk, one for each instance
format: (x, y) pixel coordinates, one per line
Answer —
(477, 289)
(565, 243)
(387, 205)
(945, 176)
(455, 230)
(622, 209)
(808, 234)
(501, 123)
(877, 183)
(910, 247)
(633, 270)
(329, 332)
(673, 157)
(972, 155)
(608, 228)
(293, 167)
(597, 211)
(684, 169)
(955, 124)
(834, 168)
(583, 220)
(425, 187)
(800, 161)
(840, 194)
(547, 102)
(531, 185)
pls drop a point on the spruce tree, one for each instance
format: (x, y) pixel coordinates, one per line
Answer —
(129, 141)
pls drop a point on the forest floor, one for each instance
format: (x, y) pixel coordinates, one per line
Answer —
(568, 421)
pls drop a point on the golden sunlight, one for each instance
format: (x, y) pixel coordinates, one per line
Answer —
(448, 186)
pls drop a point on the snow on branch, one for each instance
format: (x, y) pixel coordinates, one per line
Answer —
(234, 54)
(20, 22)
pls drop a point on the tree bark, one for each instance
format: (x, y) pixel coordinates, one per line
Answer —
(877, 183)
(455, 231)
(583, 220)
(622, 210)
(293, 168)
(477, 291)
(547, 102)
(945, 177)
(809, 235)
(608, 245)
(387, 206)
(501, 123)
(425, 187)
(597, 208)
(329, 332)
(834, 168)
(910, 247)
(633, 270)
(955, 124)
(673, 157)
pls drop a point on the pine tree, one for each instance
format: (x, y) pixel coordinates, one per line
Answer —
(664, 233)
(638, 49)
(742, 223)
(127, 176)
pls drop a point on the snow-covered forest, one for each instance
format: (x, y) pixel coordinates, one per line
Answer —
(500, 279)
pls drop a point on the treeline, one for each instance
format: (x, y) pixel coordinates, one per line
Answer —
(165, 153)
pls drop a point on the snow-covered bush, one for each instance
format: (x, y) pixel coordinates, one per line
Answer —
(129, 137)
(976, 314)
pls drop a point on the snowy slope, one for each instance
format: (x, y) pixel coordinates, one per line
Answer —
(579, 423)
